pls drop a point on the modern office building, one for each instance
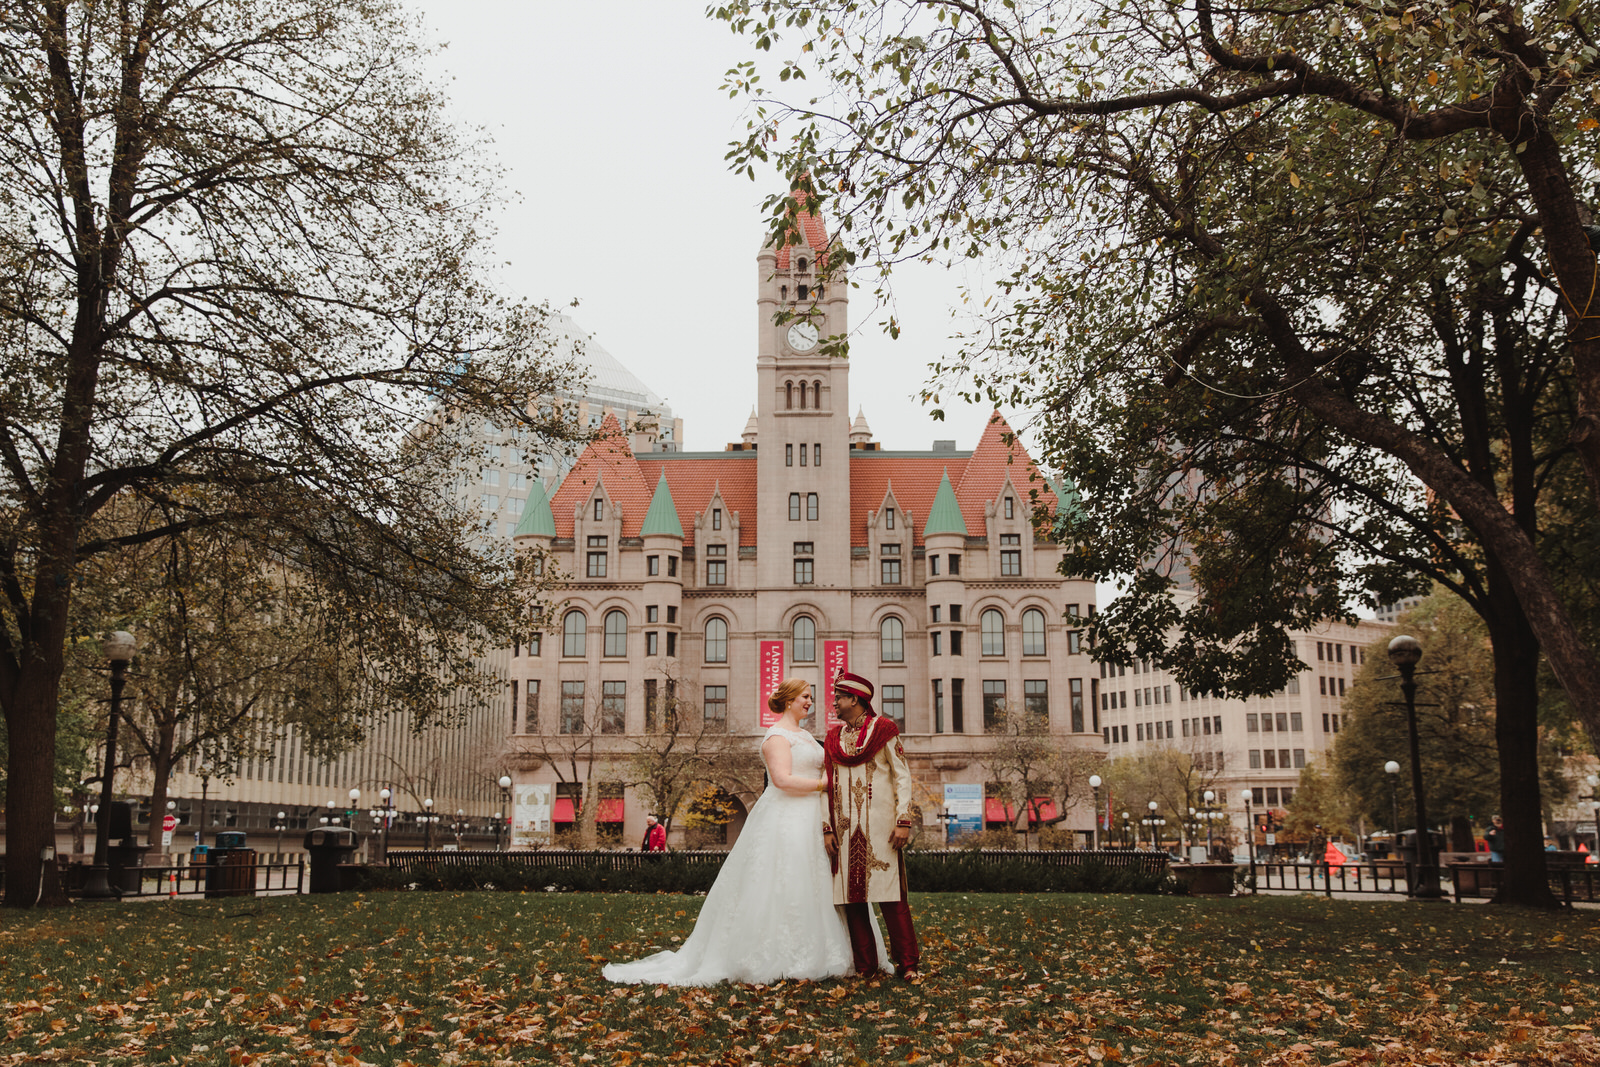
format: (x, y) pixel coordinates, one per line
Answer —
(1259, 744)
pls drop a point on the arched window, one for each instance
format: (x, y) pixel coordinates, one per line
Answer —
(788, 396)
(892, 641)
(803, 640)
(573, 629)
(783, 292)
(802, 396)
(1033, 632)
(994, 633)
(800, 264)
(716, 641)
(616, 633)
(816, 394)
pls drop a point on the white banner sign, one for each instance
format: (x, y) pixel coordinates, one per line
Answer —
(530, 819)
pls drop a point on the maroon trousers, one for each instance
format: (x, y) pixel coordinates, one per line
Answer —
(897, 929)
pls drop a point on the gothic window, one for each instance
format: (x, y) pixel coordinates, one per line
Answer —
(994, 633)
(788, 396)
(892, 641)
(1033, 632)
(716, 641)
(616, 633)
(573, 629)
(803, 640)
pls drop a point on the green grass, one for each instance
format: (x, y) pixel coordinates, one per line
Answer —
(491, 978)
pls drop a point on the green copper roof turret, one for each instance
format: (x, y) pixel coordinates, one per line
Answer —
(537, 519)
(662, 518)
(945, 515)
(1068, 502)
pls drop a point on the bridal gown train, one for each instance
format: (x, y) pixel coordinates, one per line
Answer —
(770, 913)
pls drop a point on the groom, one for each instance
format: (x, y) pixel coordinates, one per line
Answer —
(869, 812)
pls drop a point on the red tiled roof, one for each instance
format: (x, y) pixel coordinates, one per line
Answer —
(630, 483)
(609, 461)
(811, 228)
(694, 481)
(987, 469)
(914, 479)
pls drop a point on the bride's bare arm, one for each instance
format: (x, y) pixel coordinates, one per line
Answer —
(780, 761)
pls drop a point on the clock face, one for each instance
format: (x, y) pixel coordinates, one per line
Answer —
(803, 336)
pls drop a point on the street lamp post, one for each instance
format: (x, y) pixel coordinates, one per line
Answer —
(1154, 823)
(501, 815)
(1127, 830)
(1094, 835)
(388, 811)
(204, 771)
(1210, 817)
(283, 821)
(1594, 802)
(1392, 769)
(458, 826)
(1250, 839)
(119, 649)
(331, 819)
(1151, 822)
(1404, 652)
(427, 822)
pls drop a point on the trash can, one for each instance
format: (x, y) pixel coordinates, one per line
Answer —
(1407, 847)
(327, 847)
(230, 867)
(124, 854)
(125, 867)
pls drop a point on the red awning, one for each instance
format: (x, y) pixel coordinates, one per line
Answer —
(1041, 809)
(608, 811)
(997, 810)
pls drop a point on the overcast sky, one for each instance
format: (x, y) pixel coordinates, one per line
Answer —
(607, 119)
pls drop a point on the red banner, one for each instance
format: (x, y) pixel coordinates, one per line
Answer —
(835, 661)
(768, 678)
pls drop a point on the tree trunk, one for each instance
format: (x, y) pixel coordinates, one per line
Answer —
(161, 774)
(30, 788)
(1524, 879)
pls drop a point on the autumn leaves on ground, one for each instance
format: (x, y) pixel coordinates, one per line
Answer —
(502, 978)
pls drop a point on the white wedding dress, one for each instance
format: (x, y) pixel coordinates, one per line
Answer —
(770, 914)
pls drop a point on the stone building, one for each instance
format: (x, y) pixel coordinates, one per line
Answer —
(804, 548)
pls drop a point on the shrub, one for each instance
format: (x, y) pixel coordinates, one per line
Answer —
(666, 875)
(970, 872)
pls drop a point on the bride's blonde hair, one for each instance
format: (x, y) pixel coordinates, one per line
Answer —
(788, 690)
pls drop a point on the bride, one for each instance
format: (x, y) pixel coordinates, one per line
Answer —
(770, 913)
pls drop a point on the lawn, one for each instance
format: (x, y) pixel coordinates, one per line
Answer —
(503, 978)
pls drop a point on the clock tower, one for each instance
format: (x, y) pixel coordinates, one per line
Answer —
(803, 414)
